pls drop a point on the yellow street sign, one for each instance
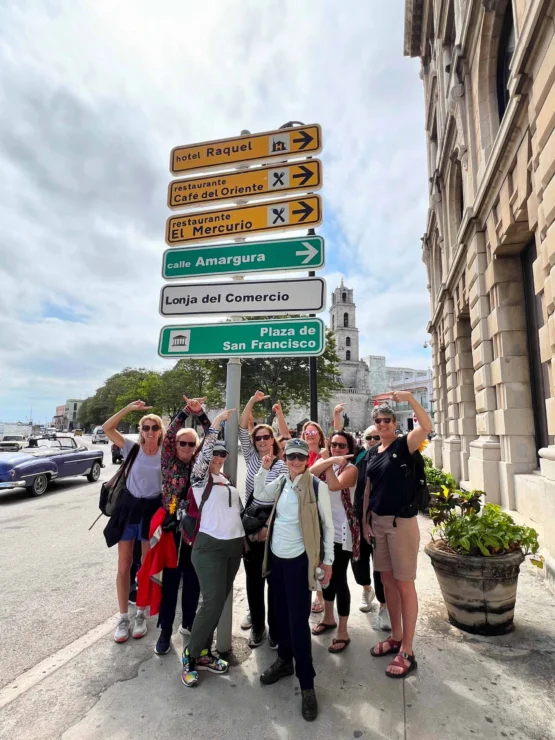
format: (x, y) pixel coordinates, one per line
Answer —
(275, 215)
(227, 153)
(250, 184)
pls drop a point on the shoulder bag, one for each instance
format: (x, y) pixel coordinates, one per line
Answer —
(112, 489)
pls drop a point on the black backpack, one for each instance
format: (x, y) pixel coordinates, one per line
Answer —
(421, 499)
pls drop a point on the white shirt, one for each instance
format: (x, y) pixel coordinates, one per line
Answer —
(218, 518)
(340, 523)
(287, 539)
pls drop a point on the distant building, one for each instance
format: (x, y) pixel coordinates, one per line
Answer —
(59, 420)
(71, 413)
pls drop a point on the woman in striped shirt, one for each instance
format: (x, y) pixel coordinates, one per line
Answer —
(255, 445)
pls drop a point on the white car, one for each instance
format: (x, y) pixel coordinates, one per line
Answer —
(99, 435)
(12, 443)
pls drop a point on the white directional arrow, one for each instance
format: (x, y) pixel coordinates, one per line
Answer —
(310, 253)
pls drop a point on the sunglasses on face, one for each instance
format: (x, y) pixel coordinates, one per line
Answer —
(296, 456)
(219, 453)
(263, 437)
(187, 444)
(147, 428)
(340, 445)
(311, 434)
(374, 437)
(382, 421)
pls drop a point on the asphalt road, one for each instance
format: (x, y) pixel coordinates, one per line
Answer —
(57, 578)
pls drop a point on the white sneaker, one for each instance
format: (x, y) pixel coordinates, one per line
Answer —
(184, 631)
(139, 628)
(122, 630)
(383, 619)
(366, 600)
(246, 624)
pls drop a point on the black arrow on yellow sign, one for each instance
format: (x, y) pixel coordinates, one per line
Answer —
(306, 210)
(305, 174)
(304, 140)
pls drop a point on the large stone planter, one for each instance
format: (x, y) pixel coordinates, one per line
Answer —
(479, 592)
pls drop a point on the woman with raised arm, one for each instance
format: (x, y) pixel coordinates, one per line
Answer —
(361, 567)
(341, 479)
(136, 506)
(178, 457)
(390, 517)
(216, 553)
(255, 445)
(294, 562)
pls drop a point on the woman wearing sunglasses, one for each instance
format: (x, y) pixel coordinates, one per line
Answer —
(389, 501)
(178, 456)
(341, 479)
(293, 561)
(216, 553)
(255, 445)
(143, 497)
(361, 568)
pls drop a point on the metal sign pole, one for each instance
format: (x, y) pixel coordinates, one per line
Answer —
(232, 401)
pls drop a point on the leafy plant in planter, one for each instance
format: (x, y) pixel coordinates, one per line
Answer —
(436, 480)
(477, 560)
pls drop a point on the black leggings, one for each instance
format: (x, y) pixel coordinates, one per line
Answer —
(338, 585)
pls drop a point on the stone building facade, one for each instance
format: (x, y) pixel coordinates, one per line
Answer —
(488, 71)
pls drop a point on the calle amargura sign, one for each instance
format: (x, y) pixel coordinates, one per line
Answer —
(303, 253)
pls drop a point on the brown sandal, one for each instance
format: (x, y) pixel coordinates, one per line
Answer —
(398, 663)
(338, 645)
(322, 627)
(379, 650)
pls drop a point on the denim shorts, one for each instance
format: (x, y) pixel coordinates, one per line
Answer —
(133, 532)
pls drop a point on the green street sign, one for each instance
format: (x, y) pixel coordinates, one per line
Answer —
(231, 259)
(279, 338)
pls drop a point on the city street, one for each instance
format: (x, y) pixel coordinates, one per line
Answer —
(62, 676)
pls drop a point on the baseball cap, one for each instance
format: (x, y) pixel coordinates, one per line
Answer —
(296, 445)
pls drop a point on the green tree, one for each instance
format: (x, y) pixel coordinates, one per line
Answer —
(192, 378)
(284, 378)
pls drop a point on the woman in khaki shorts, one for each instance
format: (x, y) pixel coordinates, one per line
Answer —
(390, 520)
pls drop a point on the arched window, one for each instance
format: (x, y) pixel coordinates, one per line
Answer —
(333, 323)
(345, 319)
(348, 355)
(504, 56)
(348, 341)
(344, 297)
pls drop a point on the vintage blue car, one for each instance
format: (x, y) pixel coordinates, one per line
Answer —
(45, 460)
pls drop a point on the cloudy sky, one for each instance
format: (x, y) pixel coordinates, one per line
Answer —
(95, 93)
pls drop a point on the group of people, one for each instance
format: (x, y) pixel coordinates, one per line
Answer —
(311, 507)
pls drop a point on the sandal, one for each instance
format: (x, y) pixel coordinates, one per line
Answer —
(379, 649)
(334, 642)
(317, 607)
(398, 662)
(322, 627)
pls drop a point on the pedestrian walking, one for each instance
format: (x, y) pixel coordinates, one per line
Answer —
(340, 475)
(216, 552)
(136, 506)
(391, 507)
(361, 567)
(254, 446)
(297, 552)
(178, 457)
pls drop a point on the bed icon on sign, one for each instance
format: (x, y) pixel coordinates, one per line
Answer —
(179, 340)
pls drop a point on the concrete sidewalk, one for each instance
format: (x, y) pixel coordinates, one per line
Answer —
(465, 687)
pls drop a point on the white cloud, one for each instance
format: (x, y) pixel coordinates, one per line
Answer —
(97, 93)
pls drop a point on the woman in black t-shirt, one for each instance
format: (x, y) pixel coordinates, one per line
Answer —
(389, 518)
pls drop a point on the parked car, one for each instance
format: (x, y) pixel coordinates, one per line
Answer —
(12, 443)
(99, 435)
(45, 460)
(78, 432)
(117, 454)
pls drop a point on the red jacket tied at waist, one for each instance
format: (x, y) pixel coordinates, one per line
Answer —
(162, 554)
